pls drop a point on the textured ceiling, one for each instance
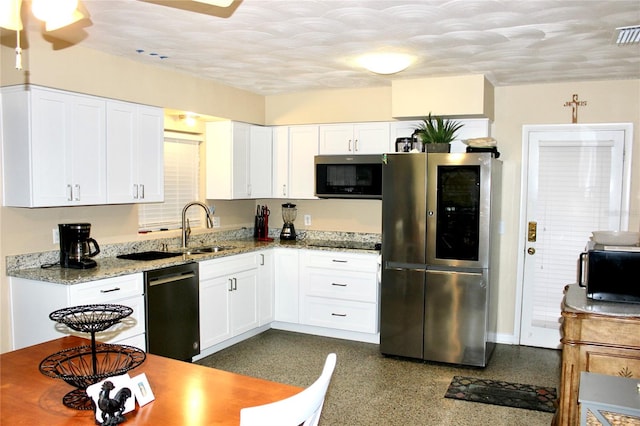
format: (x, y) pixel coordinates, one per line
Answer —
(282, 46)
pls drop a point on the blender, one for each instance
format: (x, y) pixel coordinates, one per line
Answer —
(289, 213)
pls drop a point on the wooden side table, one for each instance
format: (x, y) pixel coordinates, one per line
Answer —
(597, 337)
(608, 400)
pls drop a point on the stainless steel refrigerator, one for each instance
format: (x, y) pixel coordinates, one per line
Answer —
(439, 256)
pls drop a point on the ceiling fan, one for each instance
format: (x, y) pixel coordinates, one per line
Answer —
(55, 14)
(219, 8)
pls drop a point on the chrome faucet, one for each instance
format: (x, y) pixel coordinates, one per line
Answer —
(186, 229)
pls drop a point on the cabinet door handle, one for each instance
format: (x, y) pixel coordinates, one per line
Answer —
(355, 145)
(333, 314)
(339, 261)
(349, 145)
(284, 190)
(69, 193)
(77, 192)
(142, 191)
(235, 284)
(110, 290)
(135, 191)
(230, 284)
(338, 284)
(261, 259)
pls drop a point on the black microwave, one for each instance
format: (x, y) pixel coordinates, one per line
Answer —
(610, 275)
(348, 176)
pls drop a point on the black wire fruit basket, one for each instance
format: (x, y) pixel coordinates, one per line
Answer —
(83, 366)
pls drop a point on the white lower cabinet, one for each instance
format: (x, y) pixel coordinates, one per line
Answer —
(228, 298)
(339, 290)
(266, 287)
(33, 301)
(286, 285)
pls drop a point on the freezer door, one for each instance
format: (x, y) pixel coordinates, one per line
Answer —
(402, 312)
(455, 317)
(404, 186)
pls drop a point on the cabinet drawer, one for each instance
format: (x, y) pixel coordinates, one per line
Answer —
(341, 261)
(358, 286)
(340, 314)
(618, 331)
(107, 290)
(612, 361)
(131, 326)
(228, 265)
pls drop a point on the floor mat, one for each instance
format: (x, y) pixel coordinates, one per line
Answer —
(508, 394)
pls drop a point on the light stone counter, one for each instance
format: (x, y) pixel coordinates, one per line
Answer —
(576, 300)
(28, 266)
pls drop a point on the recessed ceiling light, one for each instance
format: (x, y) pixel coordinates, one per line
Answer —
(386, 63)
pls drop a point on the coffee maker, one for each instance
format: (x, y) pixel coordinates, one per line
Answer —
(289, 213)
(75, 246)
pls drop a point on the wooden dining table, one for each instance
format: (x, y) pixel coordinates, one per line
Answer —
(185, 394)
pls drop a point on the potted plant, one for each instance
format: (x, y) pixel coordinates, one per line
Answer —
(436, 133)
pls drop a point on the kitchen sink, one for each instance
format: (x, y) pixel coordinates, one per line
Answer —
(204, 250)
(149, 255)
(157, 255)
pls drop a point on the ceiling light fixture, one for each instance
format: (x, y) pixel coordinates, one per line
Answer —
(189, 119)
(55, 14)
(386, 63)
(628, 35)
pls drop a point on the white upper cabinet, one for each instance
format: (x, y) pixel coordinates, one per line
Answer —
(238, 160)
(354, 138)
(53, 148)
(135, 154)
(294, 149)
(260, 153)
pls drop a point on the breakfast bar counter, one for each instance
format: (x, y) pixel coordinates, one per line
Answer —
(185, 394)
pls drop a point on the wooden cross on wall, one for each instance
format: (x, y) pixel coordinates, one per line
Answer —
(574, 104)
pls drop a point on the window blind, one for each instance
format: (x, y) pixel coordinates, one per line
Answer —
(567, 214)
(181, 186)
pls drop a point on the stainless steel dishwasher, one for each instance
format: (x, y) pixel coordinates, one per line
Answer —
(172, 311)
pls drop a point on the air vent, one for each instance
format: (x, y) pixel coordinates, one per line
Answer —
(628, 35)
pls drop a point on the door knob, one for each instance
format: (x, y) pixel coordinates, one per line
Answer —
(531, 250)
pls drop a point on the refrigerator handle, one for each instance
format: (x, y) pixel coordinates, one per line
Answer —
(404, 266)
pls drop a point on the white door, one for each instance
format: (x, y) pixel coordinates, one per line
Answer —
(575, 181)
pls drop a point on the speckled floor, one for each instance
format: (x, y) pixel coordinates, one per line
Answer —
(368, 388)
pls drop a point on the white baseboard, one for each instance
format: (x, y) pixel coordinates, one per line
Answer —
(327, 332)
(506, 339)
(230, 342)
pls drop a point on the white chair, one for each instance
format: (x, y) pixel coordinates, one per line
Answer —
(301, 408)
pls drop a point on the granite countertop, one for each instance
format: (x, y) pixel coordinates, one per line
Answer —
(576, 300)
(113, 267)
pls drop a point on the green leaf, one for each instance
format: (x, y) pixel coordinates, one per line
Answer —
(437, 130)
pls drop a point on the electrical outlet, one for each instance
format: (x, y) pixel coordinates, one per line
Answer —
(307, 220)
(216, 222)
(56, 236)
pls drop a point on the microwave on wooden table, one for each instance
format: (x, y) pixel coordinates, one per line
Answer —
(610, 273)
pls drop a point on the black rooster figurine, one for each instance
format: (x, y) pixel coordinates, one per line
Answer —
(112, 408)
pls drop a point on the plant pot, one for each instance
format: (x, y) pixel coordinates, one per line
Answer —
(438, 147)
